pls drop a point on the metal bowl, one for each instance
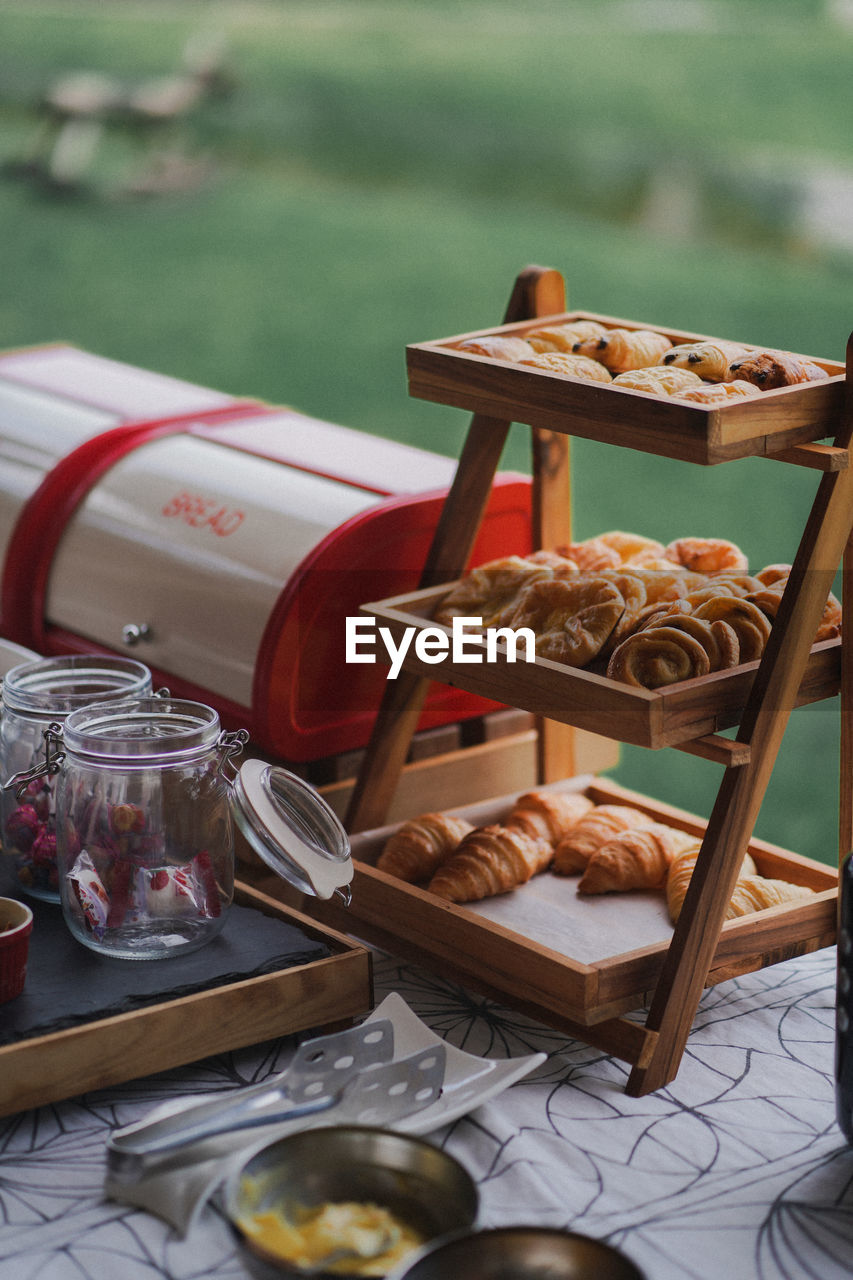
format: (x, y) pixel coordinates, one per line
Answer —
(420, 1184)
(518, 1253)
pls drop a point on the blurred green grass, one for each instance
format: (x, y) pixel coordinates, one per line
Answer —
(383, 170)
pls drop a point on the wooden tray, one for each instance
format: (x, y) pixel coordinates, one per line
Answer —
(654, 718)
(595, 958)
(616, 415)
(109, 1051)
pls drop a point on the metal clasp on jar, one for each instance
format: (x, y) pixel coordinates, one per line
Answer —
(230, 745)
(52, 763)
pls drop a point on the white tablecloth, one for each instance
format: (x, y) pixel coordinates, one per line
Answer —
(736, 1171)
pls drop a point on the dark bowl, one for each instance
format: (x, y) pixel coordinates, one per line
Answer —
(517, 1253)
(421, 1185)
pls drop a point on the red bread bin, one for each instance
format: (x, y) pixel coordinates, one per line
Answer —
(222, 542)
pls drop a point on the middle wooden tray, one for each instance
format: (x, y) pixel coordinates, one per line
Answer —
(664, 717)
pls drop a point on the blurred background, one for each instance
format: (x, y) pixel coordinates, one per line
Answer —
(300, 189)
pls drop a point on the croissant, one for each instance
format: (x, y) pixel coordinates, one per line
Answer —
(548, 815)
(624, 349)
(488, 589)
(490, 860)
(419, 846)
(570, 617)
(754, 893)
(576, 366)
(562, 337)
(681, 870)
(749, 623)
(636, 859)
(770, 369)
(707, 555)
(657, 656)
(497, 347)
(718, 393)
(595, 829)
(658, 380)
(709, 360)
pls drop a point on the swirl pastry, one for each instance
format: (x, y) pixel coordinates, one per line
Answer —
(707, 555)
(770, 369)
(570, 617)
(635, 859)
(768, 598)
(624, 349)
(490, 860)
(658, 380)
(497, 347)
(486, 591)
(709, 360)
(418, 847)
(562, 337)
(575, 366)
(657, 656)
(681, 870)
(719, 393)
(596, 828)
(548, 815)
(751, 626)
(718, 639)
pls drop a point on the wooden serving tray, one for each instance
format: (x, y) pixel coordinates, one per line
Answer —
(566, 959)
(110, 1050)
(671, 428)
(655, 718)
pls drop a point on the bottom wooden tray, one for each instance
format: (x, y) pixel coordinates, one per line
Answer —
(566, 959)
(106, 1050)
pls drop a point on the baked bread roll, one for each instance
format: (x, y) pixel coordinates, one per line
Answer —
(419, 846)
(562, 337)
(659, 380)
(709, 360)
(657, 656)
(575, 366)
(570, 617)
(636, 859)
(751, 626)
(624, 349)
(596, 828)
(707, 555)
(548, 815)
(487, 590)
(680, 872)
(719, 393)
(490, 860)
(497, 347)
(770, 369)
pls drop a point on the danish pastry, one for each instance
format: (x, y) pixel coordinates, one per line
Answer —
(659, 380)
(624, 349)
(657, 656)
(596, 828)
(570, 617)
(487, 590)
(548, 815)
(770, 369)
(490, 860)
(707, 555)
(635, 859)
(768, 598)
(631, 548)
(418, 847)
(497, 347)
(562, 337)
(709, 360)
(591, 555)
(575, 366)
(718, 639)
(718, 393)
(751, 626)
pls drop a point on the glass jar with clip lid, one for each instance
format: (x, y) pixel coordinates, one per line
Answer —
(147, 795)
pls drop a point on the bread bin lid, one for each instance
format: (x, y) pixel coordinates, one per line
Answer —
(292, 829)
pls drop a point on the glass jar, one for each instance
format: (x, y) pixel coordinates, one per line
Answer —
(37, 695)
(844, 1004)
(145, 826)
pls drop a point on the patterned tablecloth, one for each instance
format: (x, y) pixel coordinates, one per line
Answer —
(737, 1170)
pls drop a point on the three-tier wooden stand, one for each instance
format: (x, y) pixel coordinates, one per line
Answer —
(655, 1049)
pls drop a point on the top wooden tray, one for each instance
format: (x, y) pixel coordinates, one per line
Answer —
(616, 415)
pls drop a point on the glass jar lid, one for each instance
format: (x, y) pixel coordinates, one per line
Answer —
(142, 733)
(55, 687)
(291, 827)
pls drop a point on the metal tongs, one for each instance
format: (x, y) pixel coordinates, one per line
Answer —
(352, 1071)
